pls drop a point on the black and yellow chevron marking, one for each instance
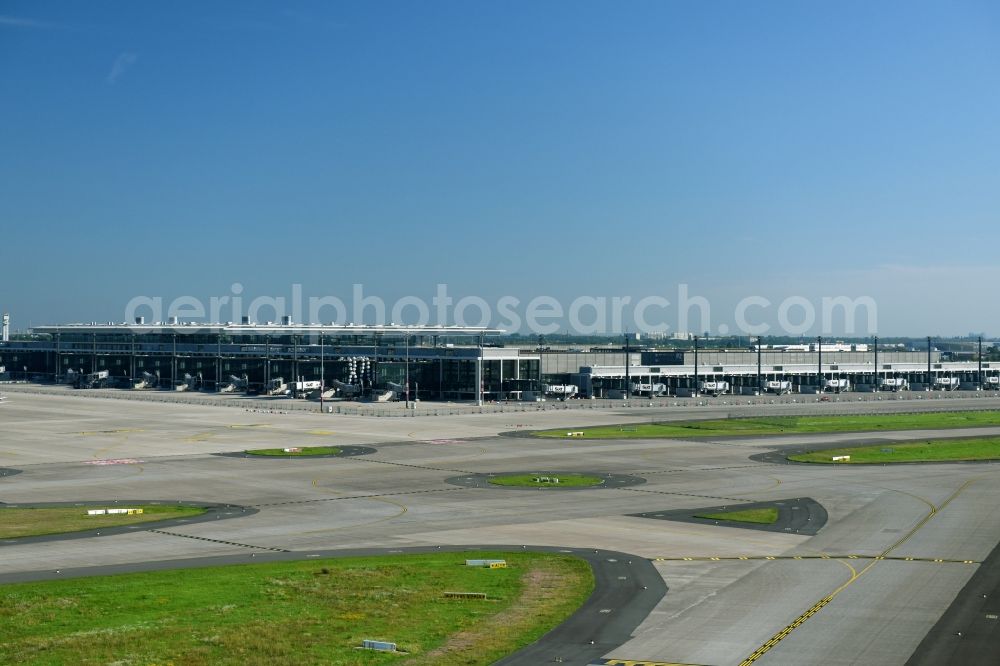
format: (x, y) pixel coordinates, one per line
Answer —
(730, 558)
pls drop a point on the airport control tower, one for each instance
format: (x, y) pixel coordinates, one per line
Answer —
(6, 327)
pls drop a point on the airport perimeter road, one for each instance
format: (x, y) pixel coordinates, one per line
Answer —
(899, 544)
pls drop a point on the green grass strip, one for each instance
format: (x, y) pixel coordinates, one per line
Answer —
(942, 450)
(304, 612)
(22, 522)
(304, 451)
(774, 425)
(766, 516)
(565, 480)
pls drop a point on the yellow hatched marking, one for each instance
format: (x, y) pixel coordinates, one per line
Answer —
(636, 662)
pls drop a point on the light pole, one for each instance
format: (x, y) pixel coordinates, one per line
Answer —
(980, 356)
(295, 366)
(759, 382)
(407, 379)
(479, 372)
(628, 379)
(696, 387)
(878, 384)
(930, 382)
(819, 364)
(372, 375)
(322, 370)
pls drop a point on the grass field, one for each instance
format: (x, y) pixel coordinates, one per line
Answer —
(565, 480)
(305, 452)
(766, 516)
(22, 522)
(942, 450)
(305, 612)
(783, 424)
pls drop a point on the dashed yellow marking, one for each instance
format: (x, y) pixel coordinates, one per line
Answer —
(730, 558)
(320, 433)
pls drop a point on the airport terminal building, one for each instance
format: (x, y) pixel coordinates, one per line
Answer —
(834, 369)
(379, 362)
(441, 362)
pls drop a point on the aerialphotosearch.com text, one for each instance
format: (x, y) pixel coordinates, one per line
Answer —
(540, 315)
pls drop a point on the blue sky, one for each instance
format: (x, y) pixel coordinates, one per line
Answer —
(781, 149)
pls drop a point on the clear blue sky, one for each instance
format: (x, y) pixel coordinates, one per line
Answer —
(507, 148)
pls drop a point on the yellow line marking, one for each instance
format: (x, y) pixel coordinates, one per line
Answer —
(815, 608)
(320, 433)
(854, 572)
(372, 522)
(777, 482)
(122, 437)
(89, 433)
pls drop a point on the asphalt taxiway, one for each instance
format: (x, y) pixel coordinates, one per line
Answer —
(899, 544)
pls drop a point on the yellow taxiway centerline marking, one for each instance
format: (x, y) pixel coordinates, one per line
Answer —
(855, 575)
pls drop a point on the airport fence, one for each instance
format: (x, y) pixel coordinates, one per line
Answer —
(741, 405)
